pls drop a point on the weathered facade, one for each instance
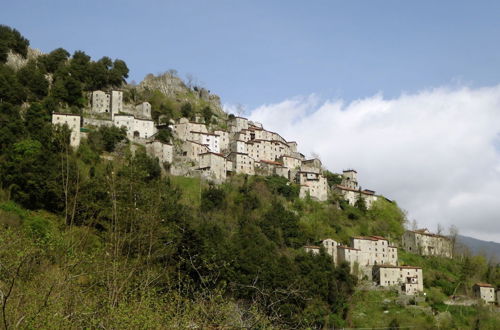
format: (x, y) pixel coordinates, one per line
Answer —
(313, 184)
(427, 244)
(484, 291)
(351, 192)
(408, 278)
(136, 127)
(163, 151)
(214, 166)
(107, 102)
(74, 124)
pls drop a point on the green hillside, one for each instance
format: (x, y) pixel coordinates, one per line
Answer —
(98, 237)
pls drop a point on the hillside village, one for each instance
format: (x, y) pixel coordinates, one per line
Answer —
(119, 197)
(246, 147)
(197, 149)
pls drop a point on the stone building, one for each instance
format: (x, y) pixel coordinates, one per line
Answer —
(269, 167)
(352, 256)
(484, 291)
(163, 151)
(192, 149)
(331, 247)
(312, 184)
(238, 146)
(74, 124)
(107, 102)
(143, 110)
(223, 140)
(237, 124)
(410, 279)
(351, 192)
(212, 141)
(375, 250)
(242, 163)
(311, 165)
(314, 249)
(214, 166)
(136, 127)
(427, 244)
(184, 128)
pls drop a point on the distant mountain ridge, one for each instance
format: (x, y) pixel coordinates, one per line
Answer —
(477, 246)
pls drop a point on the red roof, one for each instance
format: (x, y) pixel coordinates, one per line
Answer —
(366, 192)
(484, 285)
(347, 248)
(270, 162)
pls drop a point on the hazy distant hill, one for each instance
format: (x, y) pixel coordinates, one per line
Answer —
(477, 246)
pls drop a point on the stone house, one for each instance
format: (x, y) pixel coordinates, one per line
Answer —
(312, 249)
(143, 110)
(352, 256)
(107, 102)
(292, 145)
(239, 146)
(209, 139)
(163, 151)
(311, 165)
(191, 150)
(484, 291)
(352, 195)
(427, 244)
(214, 166)
(74, 124)
(184, 128)
(269, 167)
(136, 127)
(375, 250)
(223, 140)
(351, 192)
(260, 149)
(242, 163)
(236, 124)
(330, 247)
(410, 279)
(312, 184)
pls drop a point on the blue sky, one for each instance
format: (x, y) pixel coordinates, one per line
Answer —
(406, 92)
(256, 52)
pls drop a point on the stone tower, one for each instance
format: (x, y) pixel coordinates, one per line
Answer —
(350, 179)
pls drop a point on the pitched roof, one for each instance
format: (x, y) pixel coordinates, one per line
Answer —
(484, 285)
(270, 162)
(65, 114)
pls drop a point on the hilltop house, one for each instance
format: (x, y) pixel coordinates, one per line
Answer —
(350, 191)
(163, 151)
(408, 278)
(427, 244)
(107, 102)
(365, 252)
(74, 124)
(484, 291)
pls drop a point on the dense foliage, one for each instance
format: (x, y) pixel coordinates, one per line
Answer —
(98, 237)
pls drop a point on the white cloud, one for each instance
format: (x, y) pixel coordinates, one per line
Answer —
(433, 152)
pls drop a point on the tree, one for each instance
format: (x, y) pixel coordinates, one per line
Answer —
(187, 111)
(207, 114)
(33, 78)
(54, 60)
(212, 198)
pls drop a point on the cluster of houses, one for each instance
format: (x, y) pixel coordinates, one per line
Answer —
(244, 147)
(374, 258)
